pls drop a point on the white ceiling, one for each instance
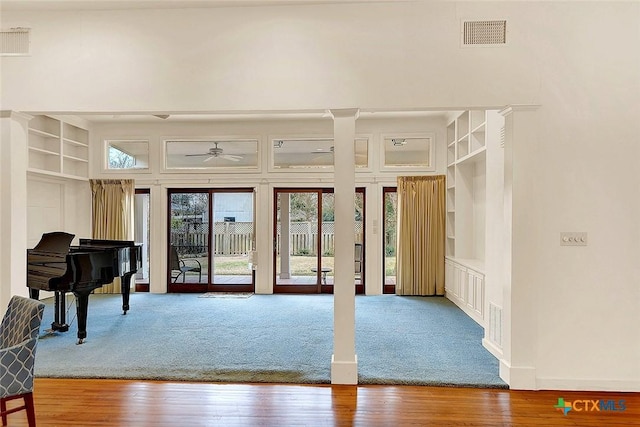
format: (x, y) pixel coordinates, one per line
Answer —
(160, 4)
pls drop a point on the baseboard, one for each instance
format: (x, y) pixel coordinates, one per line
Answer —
(588, 384)
(524, 378)
(492, 348)
(518, 378)
(344, 372)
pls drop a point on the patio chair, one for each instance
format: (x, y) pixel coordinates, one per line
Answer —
(179, 267)
(19, 332)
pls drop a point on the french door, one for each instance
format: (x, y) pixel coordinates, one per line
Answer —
(303, 240)
(211, 232)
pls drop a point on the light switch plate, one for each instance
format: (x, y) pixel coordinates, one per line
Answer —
(573, 238)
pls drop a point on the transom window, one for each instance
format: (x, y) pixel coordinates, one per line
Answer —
(301, 153)
(408, 150)
(222, 153)
(127, 154)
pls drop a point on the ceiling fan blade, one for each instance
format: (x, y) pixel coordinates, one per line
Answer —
(196, 155)
(208, 158)
(230, 157)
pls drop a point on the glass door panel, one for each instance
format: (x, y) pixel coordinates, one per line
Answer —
(359, 239)
(296, 241)
(232, 238)
(211, 235)
(327, 244)
(390, 197)
(304, 247)
(188, 255)
(142, 233)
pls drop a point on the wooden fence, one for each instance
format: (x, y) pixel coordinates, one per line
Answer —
(235, 238)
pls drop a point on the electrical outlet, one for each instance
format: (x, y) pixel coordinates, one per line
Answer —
(573, 238)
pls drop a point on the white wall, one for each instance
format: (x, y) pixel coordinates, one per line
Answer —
(578, 60)
(55, 204)
(266, 58)
(578, 176)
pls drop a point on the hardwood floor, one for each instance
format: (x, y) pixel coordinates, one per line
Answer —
(88, 403)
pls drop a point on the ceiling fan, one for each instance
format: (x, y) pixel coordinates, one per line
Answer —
(216, 152)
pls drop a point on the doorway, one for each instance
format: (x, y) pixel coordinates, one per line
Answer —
(303, 240)
(211, 234)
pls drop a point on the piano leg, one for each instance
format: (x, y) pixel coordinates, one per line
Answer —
(59, 320)
(82, 303)
(59, 309)
(125, 288)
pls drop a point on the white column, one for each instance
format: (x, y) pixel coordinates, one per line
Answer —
(344, 362)
(285, 244)
(264, 240)
(158, 239)
(14, 134)
(517, 367)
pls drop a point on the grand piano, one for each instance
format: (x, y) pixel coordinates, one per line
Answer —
(54, 265)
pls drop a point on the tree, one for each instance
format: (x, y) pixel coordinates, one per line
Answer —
(120, 160)
(390, 221)
(303, 206)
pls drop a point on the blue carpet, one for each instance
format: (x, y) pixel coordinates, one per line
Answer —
(268, 338)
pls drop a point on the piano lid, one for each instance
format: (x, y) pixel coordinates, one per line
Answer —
(56, 241)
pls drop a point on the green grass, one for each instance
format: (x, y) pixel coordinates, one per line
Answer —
(300, 265)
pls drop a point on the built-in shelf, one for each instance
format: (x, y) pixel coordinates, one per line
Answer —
(58, 148)
(43, 133)
(74, 142)
(451, 133)
(474, 156)
(44, 151)
(41, 172)
(467, 137)
(472, 140)
(466, 157)
(451, 154)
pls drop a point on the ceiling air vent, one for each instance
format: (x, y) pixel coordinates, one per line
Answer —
(484, 33)
(15, 41)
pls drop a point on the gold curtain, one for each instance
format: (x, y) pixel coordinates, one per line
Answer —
(421, 235)
(112, 203)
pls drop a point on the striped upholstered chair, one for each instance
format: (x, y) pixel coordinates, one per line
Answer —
(18, 338)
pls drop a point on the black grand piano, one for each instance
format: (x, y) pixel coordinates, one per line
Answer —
(54, 265)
